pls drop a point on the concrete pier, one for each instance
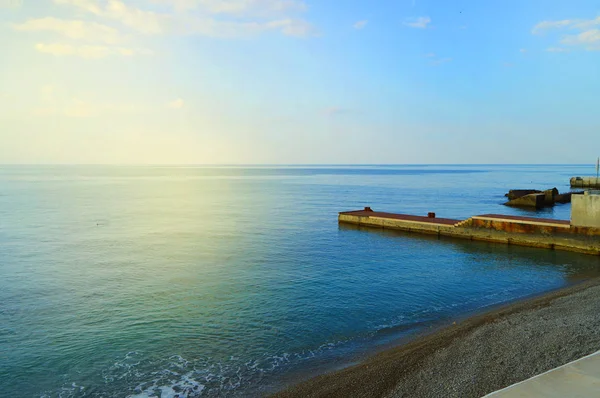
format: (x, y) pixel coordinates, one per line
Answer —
(514, 230)
(585, 182)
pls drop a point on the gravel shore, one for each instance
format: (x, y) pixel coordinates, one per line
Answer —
(478, 355)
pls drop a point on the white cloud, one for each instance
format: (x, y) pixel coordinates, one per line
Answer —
(546, 25)
(360, 24)
(73, 29)
(430, 55)
(586, 24)
(240, 17)
(176, 104)
(226, 29)
(523, 50)
(420, 22)
(244, 8)
(90, 52)
(588, 38)
(143, 21)
(179, 5)
(55, 49)
(580, 24)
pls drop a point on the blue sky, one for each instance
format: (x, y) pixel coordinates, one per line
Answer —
(291, 81)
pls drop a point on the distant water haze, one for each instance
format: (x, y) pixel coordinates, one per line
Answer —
(211, 281)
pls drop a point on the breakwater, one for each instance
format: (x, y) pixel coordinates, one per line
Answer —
(585, 182)
(512, 230)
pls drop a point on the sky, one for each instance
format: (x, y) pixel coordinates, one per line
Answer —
(299, 82)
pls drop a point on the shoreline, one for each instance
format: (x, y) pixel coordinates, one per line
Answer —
(477, 354)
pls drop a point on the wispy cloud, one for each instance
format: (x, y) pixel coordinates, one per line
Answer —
(523, 50)
(214, 18)
(430, 55)
(360, 24)
(580, 24)
(242, 8)
(87, 51)
(147, 22)
(72, 29)
(420, 22)
(588, 38)
(543, 26)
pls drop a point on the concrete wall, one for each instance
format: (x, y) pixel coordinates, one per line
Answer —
(585, 182)
(585, 210)
(582, 242)
(390, 223)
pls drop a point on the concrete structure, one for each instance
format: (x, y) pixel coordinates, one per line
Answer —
(585, 210)
(535, 200)
(518, 193)
(580, 378)
(585, 182)
(523, 231)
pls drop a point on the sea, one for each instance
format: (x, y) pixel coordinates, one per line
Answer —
(205, 281)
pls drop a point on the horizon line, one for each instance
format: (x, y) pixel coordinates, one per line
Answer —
(289, 164)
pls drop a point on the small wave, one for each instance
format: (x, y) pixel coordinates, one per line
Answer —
(438, 313)
(185, 387)
(137, 375)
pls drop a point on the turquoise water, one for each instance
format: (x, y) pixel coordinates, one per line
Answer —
(199, 281)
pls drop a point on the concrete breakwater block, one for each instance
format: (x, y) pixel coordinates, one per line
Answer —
(519, 193)
(585, 182)
(549, 196)
(535, 200)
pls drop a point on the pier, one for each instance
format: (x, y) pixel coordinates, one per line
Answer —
(582, 234)
(585, 182)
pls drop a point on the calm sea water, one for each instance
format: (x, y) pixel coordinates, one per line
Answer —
(199, 281)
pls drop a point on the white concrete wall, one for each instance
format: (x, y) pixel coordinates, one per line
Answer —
(585, 210)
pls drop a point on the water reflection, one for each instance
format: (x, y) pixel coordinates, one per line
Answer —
(575, 267)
